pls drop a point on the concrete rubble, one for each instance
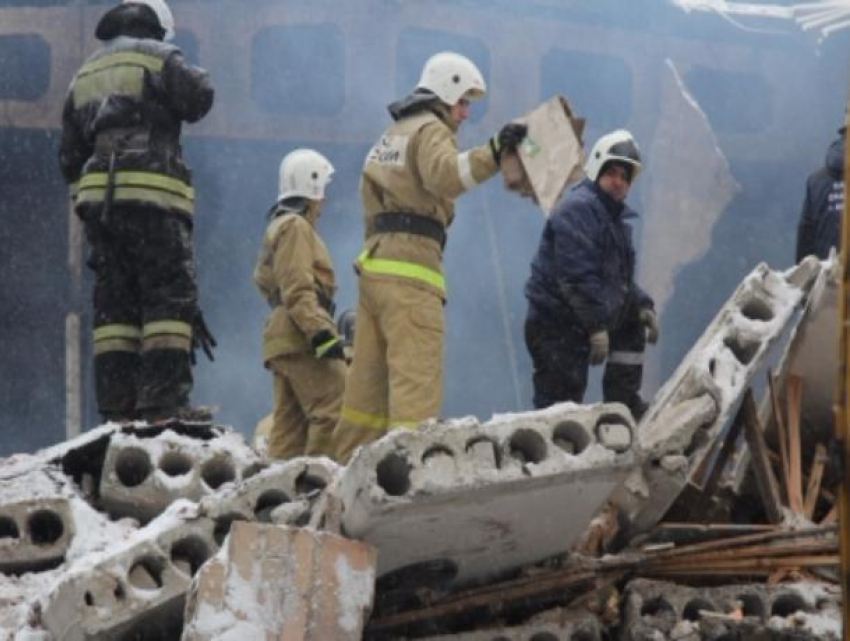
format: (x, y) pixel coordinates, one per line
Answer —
(455, 530)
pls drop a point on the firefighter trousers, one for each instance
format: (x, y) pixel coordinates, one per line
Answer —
(145, 300)
(307, 399)
(560, 353)
(396, 377)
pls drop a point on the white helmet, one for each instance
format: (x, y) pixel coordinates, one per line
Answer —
(451, 77)
(304, 173)
(617, 146)
(163, 14)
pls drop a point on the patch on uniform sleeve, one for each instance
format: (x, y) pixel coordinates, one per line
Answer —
(389, 150)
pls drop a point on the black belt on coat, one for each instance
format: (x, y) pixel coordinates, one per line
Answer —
(390, 222)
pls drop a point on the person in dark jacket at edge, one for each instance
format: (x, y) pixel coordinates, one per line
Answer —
(820, 221)
(120, 154)
(584, 305)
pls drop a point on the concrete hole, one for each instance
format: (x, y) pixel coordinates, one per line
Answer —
(744, 351)
(253, 470)
(146, 573)
(613, 432)
(118, 592)
(88, 599)
(45, 527)
(216, 472)
(582, 635)
(571, 437)
(823, 603)
(656, 607)
(481, 446)
(267, 502)
(543, 636)
(436, 452)
(189, 554)
(175, 463)
(133, 466)
(307, 483)
(8, 528)
(437, 574)
(751, 605)
(393, 474)
(527, 446)
(787, 604)
(693, 607)
(222, 526)
(757, 309)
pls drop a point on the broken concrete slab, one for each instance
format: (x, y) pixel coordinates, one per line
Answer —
(688, 414)
(36, 522)
(460, 502)
(146, 469)
(282, 492)
(803, 610)
(276, 582)
(136, 587)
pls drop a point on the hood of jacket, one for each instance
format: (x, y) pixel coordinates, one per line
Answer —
(835, 159)
(418, 101)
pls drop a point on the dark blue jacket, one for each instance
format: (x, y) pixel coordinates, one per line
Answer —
(823, 206)
(584, 268)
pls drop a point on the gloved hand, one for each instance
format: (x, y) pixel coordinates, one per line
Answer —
(598, 347)
(326, 345)
(509, 137)
(649, 318)
(201, 337)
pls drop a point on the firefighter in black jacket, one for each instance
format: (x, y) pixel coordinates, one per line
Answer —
(120, 154)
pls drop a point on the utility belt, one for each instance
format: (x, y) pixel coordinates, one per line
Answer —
(390, 222)
(119, 140)
(325, 301)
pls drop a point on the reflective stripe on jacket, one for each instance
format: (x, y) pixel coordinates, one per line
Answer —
(293, 265)
(415, 167)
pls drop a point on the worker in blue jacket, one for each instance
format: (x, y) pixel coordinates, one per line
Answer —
(823, 207)
(584, 305)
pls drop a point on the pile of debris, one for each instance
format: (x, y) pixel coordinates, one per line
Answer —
(566, 523)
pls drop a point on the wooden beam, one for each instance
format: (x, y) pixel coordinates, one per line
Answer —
(765, 480)
(793, 397)
(815, 476)
(781, 431)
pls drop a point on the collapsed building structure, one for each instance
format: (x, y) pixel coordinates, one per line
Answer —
(565, 523)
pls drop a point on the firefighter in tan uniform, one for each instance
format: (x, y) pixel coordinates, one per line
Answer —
(295, 275)
(410, 180)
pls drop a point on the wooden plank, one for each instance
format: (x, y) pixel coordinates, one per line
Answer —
(781, 431)
(765, 480)
(815, 476)
(793, 396)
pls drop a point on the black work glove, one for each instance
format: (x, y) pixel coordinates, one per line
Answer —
(201, 337)
(326, 345)
(509, 138)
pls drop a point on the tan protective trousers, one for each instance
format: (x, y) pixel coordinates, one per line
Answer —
(396, 377)
(307, 399)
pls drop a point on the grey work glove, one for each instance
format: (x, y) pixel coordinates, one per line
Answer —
(649, 319)
(598, 347)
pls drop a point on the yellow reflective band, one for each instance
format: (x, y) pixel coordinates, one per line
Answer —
(364, 419)
(167, 341)
(94, 87)
(324, 347)
(124, 178)
(167, 327)
(162, 199)
(401, 268)
(117, 330)
(108, 345)
(132, 58)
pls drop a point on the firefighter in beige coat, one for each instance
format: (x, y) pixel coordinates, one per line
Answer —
(410, 180)
(295, 275)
